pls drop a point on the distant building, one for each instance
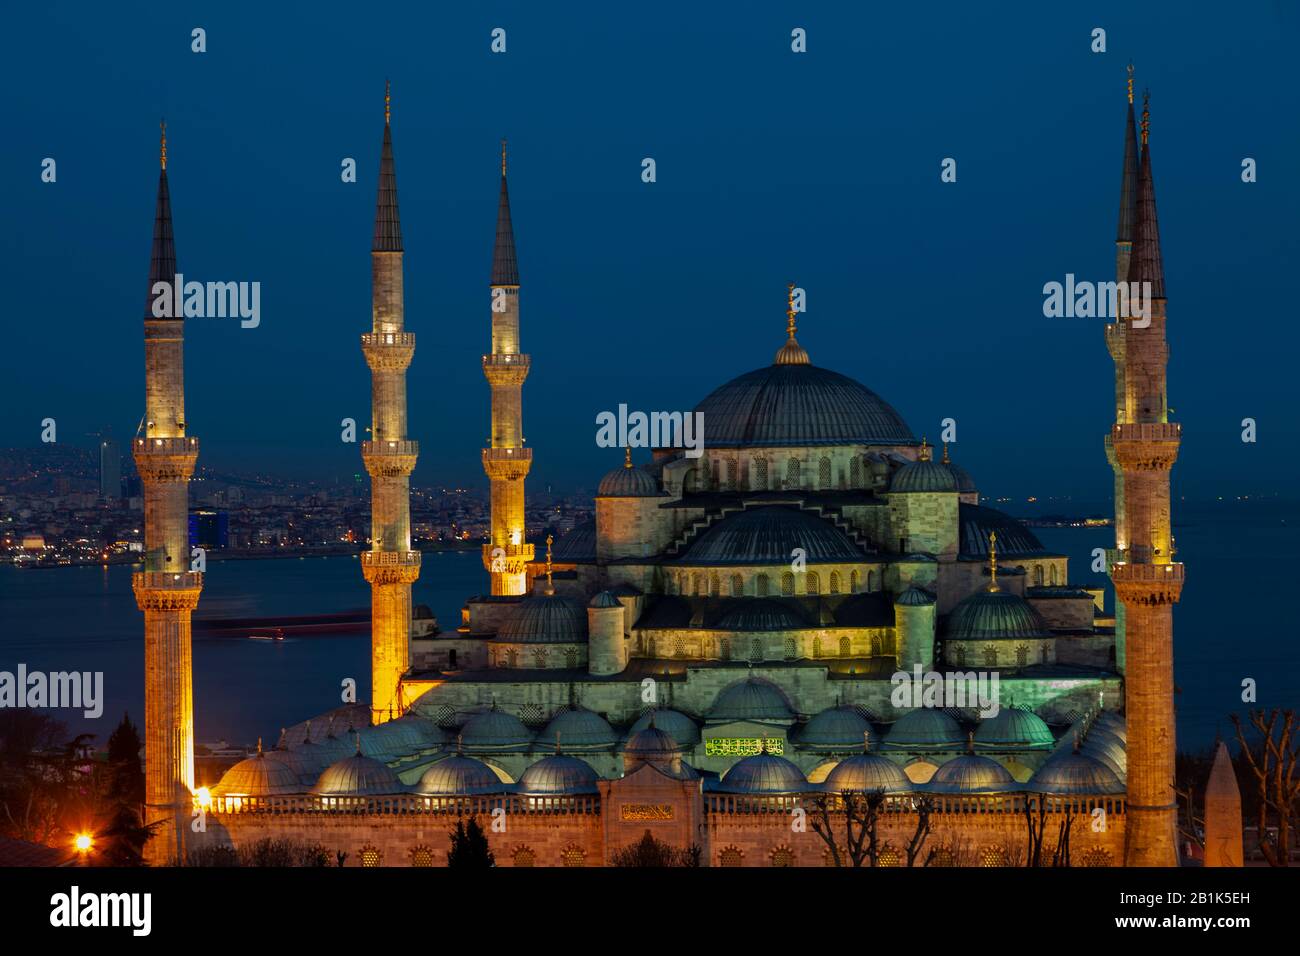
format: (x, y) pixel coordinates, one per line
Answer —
(110, 469)
(209, 529)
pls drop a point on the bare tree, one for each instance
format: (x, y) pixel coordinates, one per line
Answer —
(923, 807)
(861, 815)
(1272, 762)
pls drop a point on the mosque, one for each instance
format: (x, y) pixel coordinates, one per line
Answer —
(718, 648)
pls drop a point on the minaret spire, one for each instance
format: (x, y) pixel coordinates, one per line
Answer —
(390, 566)
(791, 353)
(1147, 264)
(505, 269)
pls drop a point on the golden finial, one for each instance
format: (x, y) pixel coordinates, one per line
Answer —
(557, 743)
(1146, 115)
(388, 101)
(162, 125)
(993, 561)
(945, 454)
(1130, 83)
(789, 311)
(866, 741)
(550, 582)
(503, 156)
(358, 736)
(925, 454)
(970, 741)
(627, 457)
(259, 746)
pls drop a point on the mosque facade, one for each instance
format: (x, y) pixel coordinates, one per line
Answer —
(719, 648)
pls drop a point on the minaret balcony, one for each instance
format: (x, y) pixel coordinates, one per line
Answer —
(1146, 446)
(390, 459)
(167, 590)
(507, 463)
(506, 369)
(508, 558)
(388, 351)
(390, 567)
(1148, 584)
(165, 459)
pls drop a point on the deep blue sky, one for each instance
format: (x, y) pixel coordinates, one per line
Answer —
(822, 168)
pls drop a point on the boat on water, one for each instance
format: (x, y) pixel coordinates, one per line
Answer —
(266, 634)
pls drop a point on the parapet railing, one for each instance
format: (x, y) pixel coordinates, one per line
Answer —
(388, 338)
(408, 804)
(942, 804)
(167, 446)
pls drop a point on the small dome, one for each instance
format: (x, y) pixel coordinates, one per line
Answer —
(760, 614)
(865, 772)
(1114, 723)
(751, 699)
(1102, 744)
(604, 599)
(673, 722)
(494, 730)
(915, 597)
(651, 744)
(836, 729)
(767, 535)
(457, 776)
(545, 619)
(1013, 729)
(924, 729)
(962, 478)
(976, 522)
(303, 766)
(993, 616)
(1074, 773)
(558, 774)
(928, 476)
(357, 776)
(764, 773)
(576, 547)
(579, 730)
(402, 737)
(971, 773)
(258, 776)
(628, 482)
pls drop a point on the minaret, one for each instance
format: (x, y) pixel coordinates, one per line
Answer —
(507, 461)
(1115, 340)
(167, 591)
(1146, 577)
(390, 565)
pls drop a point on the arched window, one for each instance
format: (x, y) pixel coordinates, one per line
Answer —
(761, 585)
(817, 647)
(371, 856)
(1054, 581)
(835, 582)
(787, 584)
(1022, 655)
(512, 658)
(812, 583)
(717, 468)
(731, 856)
(961, 655)
(941, 856)
(715, 585)
(573, 856)
(652, 648)
(698, 582)
(1097, 856)
(1038, 575)
(791, 649)
(760, 474)
(871, 581)
(824, 473)
(421, 856)
(571, 658)
(539, 657)
(783, 856)
(679, 647)
(792, 473)
(990, 655)
(1042, 652)
(854, 582)
(876, 649)
(756, 650)
(855, 472)
(737, 585)
(724, 648)
(524, 856)
(846, 647)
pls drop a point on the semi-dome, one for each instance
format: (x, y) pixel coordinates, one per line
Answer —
(558, 774)
(971, 773)
(751, 699)
(1013, 729)
(495, 730)
(604, 600)
(836, 729)
(258, 776)
(924, 729)
(995, 615)
(768, 535)
(799, 404)
(1072, 773)
(576, 547)
(628, 482)
(357, 776)
(865, 772)
(651, 744)
(763, 773)
(458, 776)
(1014, 539)
(545, 619)
(915, 597)
(581, 730)
(962, 478)
(760, 614)
(918, 476)
(673, 722)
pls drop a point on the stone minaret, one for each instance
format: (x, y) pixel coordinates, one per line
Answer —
(507, 461)
(167, 591)
(1115, 340)
(1146, 577)
(390, 565)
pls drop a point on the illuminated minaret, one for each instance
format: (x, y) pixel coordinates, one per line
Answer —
(167, 591)
(1115, 338)
(390, 565)
(1147, 579)
(507, 461)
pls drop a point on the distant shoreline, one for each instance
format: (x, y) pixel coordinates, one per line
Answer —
(248, 555)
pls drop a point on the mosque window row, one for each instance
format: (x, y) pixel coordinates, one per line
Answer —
(711, 584)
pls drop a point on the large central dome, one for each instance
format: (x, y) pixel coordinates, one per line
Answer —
(796, 404)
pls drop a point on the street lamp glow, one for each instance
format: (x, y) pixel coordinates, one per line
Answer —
(83, 842)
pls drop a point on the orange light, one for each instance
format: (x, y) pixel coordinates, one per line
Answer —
(83, 842)
(203, 797)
